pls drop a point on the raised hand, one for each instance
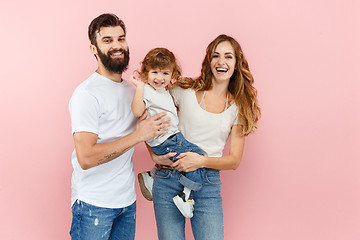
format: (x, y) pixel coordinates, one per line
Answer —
(135, 79)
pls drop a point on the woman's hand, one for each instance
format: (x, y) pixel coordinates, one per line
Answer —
(188, 162)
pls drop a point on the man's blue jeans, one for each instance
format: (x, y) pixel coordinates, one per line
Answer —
(96, 223)
(207, 222)
(177, 143)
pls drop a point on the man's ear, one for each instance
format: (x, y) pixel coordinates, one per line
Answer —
(93, 49)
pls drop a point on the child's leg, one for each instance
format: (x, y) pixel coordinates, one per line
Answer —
(188, 193)
(184, 201)
(184, 204)
(146, 180)
(195, 177)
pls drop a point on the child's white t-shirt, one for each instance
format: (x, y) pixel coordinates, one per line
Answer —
(157, 101)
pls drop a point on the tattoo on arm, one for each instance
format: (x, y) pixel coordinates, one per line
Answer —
(109, 157)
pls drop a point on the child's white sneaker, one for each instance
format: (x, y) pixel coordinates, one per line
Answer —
(146, 184)
(186, 207)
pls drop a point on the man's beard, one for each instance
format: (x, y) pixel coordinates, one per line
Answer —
(118, 65)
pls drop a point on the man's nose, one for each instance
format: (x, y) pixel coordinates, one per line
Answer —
(118, 45)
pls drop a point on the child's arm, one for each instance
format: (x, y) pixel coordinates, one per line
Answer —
(161, 159)
(138, 104)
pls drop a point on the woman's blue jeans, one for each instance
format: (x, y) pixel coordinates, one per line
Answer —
(207, 222)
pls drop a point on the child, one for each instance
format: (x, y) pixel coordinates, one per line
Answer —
(159, 71)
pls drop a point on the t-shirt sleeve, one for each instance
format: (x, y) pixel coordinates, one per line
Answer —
(147, 96)
(84, 112)
(176, 93)
(236, 119)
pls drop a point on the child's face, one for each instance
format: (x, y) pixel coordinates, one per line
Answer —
(159, 78)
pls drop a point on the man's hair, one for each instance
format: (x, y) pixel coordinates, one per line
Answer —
(104, 20)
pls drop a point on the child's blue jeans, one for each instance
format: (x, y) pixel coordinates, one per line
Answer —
(177, 143)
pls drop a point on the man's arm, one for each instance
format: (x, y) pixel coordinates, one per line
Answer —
(91, 154)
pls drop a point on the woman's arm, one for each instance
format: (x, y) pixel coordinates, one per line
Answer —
(138, 104)
(190, 161)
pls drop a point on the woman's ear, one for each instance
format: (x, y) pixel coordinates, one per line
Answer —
(173, 81)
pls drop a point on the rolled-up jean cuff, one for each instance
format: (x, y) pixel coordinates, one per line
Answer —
(194, 186)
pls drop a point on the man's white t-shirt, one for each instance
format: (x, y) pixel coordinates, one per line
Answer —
(207, 130)
(103, 107)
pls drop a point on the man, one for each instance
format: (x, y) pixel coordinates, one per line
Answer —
(105, 132)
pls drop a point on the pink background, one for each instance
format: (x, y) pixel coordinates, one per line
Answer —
(300, 174)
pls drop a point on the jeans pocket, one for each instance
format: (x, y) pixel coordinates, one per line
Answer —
(212, 177)
(163, 173)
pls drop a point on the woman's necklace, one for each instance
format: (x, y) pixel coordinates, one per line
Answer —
(202, 102)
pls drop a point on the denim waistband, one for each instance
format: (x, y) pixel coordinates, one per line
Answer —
(165, 167)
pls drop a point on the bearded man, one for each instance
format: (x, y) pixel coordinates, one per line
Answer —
(105, 132)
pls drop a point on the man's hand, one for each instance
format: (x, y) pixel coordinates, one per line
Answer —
(151, 127)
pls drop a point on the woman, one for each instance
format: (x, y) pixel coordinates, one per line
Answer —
(219, 103)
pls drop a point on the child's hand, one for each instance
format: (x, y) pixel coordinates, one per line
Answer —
(136, 81)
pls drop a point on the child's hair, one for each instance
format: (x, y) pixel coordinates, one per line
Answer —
(160, 58)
